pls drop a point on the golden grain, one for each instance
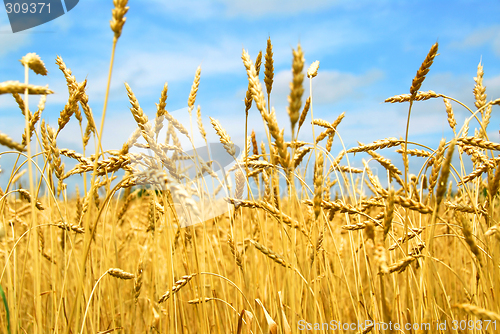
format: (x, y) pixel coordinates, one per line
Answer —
(35, 63)
(7, 141)
(421, 96)
(318, 185)
(10, 87)
(296, 89)
(118, 16)
(312, 71)
(479, 312)
(254, 83)
(224, 137)
(423, 70)
(449, 112)
(479, 90)
(269, 67)
(119, 273)
(378, 144)
(176, 287)
(194, 89)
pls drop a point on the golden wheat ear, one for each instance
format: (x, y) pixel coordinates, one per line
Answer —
(423, 70)
(296, 88)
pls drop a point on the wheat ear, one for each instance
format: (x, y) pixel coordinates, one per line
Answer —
(270, 254)
(269, 67)
(118, 17)
(118, 273)
(33, 61)
(7, 141)
(254, 83)
(420, 96)
(224, 137)
(445, 172)
(423, 70)
(318, 185)
(479, 90)
(248, 97)
(194, 89)
(160, 110)
(478, 311)
(176, 287)
(138, 281)
(296, 88)
(10, 87)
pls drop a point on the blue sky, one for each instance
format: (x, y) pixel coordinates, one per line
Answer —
(368, 51)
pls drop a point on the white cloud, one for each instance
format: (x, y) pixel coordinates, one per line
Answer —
(329, 86)
(10, 42)
(145, 70)
(276, 7)
(481, 37)
(197, 9)
(492, 86)
(255, 8)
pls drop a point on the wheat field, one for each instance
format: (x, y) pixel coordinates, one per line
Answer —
(165, 241)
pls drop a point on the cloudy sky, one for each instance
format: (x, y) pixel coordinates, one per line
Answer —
(368, 51)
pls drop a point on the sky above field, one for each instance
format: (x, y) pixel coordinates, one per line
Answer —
(368, 51)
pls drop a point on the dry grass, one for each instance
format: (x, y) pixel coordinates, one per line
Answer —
(283, 251)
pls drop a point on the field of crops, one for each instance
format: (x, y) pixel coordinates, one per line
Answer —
(164, 238)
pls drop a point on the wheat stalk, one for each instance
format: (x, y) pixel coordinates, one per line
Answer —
(224, 137)
(402, 264)
(481, 143)
(423, 70)
(469, 238)
(160, 110)
(296, 89)
(194, 89)
(119, 273)
(445, 172)
(138, 281)
(436, 165)
(479, 90)
(389, 213)
(254, 83)
(234, 251)
(304, 112)
(118, 17)
(413, 232)
(27, 196)
(176, 287)
(478, 311)
(489, 164)
(10, 143)
(269, 67)
(71, 106)
(318, 185)
(270, 254)
(312, 71)
(275, 132)
(105, 166)
(451, 117)
(378, 144)
(200, 124)
(420, 96)
(33, 61)
(248, 96)
(10, 87)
